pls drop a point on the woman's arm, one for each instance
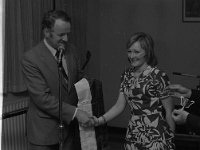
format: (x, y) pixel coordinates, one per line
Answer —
(114, 111)
(169, 106)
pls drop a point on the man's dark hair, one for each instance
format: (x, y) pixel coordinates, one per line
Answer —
(51, 16)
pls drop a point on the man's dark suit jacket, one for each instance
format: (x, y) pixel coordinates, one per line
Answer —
(193, 121)
(41, 77)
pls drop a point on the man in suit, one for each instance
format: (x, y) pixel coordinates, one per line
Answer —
(181, 116)
(40, 70)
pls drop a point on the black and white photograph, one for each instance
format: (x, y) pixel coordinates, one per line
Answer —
(100, 74)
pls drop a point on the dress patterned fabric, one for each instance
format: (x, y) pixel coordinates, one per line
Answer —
(147, 129)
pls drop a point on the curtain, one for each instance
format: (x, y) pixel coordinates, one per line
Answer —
(22, 31)
(77, 10)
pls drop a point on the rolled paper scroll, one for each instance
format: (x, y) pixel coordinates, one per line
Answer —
(87, 135)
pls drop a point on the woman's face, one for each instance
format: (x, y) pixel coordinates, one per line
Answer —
(136, 55)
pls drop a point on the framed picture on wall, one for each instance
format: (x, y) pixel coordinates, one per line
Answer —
(191, 10)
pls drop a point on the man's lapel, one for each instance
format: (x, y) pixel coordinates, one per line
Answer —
(51, 63)
(49, 60)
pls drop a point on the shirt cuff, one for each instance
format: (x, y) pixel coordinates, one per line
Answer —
(75, 114)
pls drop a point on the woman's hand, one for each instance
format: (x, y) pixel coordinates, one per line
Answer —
(99, 121)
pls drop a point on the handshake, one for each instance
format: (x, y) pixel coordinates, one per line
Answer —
(86, 120)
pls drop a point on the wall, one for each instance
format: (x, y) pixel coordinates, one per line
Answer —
(111, 22)
(93, 38)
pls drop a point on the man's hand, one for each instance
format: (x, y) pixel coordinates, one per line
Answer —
(84, 118)
(179, 90)
(179, 116)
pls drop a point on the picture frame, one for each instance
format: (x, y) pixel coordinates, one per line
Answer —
(191, 10)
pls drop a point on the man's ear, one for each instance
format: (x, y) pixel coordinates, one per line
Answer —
(46, 32)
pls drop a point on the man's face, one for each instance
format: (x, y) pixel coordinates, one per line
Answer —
(59, 32)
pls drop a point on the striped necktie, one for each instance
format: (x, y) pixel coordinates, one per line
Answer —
(62, 66)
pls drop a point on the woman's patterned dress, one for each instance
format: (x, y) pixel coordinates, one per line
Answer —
(147, 129)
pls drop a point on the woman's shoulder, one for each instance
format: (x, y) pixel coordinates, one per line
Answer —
(157, 70)
(160, 74)
(126, 72)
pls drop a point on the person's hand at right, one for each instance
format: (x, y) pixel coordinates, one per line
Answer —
(179, 90)
(179, 116)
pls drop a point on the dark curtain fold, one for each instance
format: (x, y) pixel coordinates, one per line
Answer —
(23, 31)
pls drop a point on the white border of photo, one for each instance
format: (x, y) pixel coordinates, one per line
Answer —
(2, 17)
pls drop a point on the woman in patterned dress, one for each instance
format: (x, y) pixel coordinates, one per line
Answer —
(143, 86)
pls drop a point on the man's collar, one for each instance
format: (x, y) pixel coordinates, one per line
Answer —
(50, 48)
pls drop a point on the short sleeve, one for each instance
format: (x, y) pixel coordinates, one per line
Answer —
(122, 82)
(163, 83)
